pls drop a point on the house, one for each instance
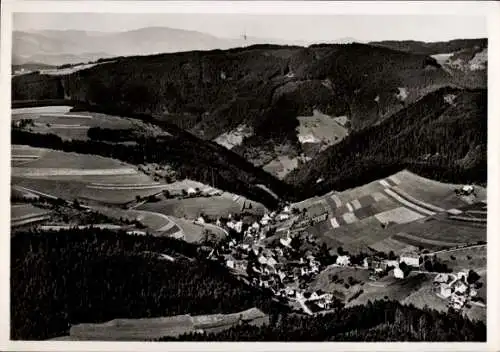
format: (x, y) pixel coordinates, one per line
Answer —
(445, 291)
(200, 221)
(286, 210)
(390, 264)
(286, 241)
(230, 263)
(283, 216)
(410, 258)
(442, 278)
(191, 191)
(343, 260)
(238, 226)
(320, 218)
(460, 287)
(398, 273)
(464, 274)
(473, 292)
(255, 226)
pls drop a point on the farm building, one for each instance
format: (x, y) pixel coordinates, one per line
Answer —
(411, 259)
(464, 274)
(398, 273)
(390, 263)
(343, 260)
(441, 278)
(445, 291)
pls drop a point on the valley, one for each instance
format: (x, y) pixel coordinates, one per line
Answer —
(250, 190)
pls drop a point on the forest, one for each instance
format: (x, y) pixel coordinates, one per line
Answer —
(193, 158)
(381, 320)
(75, 276)
(435, 139)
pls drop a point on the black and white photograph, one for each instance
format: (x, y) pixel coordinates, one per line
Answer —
(243, 177)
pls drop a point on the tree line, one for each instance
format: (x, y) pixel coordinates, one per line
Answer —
(381, 320)
(65, 277)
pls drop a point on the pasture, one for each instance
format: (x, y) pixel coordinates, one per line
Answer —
(472, 258)
(320, 128)
(432, 192)
(325, 281)
(393, 289)
(25, 214)
(67, 125)
(144, 329)
(192, 208)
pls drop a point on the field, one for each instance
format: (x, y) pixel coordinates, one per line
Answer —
(85, 177)
(24, 214)
(281, 166)
(67, 125)
(153, 328)
(393, 289)
(213, 207)
(473, 258)
(325, 282)
(320, 128)
(388, 214)
(235, 137)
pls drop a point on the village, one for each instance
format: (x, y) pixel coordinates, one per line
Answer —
(275, 253)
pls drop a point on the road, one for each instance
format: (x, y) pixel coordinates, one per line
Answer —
(455, 249)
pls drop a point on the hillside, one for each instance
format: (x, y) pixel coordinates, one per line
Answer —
(91, 264)
(265, 88)
(442, 136)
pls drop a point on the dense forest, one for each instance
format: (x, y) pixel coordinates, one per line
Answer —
(430, 48)
(432, 137)
(76, 276)
(376, 321)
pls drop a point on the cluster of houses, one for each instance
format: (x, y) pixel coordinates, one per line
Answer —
(455, 288)
(270, 266)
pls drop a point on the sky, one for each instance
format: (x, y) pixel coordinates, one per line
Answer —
(314, 28)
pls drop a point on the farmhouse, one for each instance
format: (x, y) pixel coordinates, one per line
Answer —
(445, 291)
(464, 274)
(343, 260)
(398, 273)
(410, 258)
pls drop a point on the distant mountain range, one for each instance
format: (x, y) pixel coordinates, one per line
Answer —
(58, 47)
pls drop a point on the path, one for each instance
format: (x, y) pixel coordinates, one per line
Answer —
(455, 249)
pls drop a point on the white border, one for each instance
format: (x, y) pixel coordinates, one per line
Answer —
(481, 8)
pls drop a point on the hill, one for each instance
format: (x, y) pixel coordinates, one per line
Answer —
(263, 89)
(432, 48)
(442, 136)
(91, 264)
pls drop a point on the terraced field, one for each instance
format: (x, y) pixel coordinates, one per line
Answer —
(85, 177)
(388, 214)
(70, 125)
(26, 214)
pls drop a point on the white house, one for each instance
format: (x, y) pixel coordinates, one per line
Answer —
(255, 226)
(460, 287)
(238, 226)
(445, 291)
(391, 263)
(343, 260)
(411, 259)
(200, 221)
(398, 273)
(441, 278)
(463, 274)
(191, 191)
(230, 263)
(473, 292)
(287, 209)
(366, 265)
(282, 217)
(286, 241)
